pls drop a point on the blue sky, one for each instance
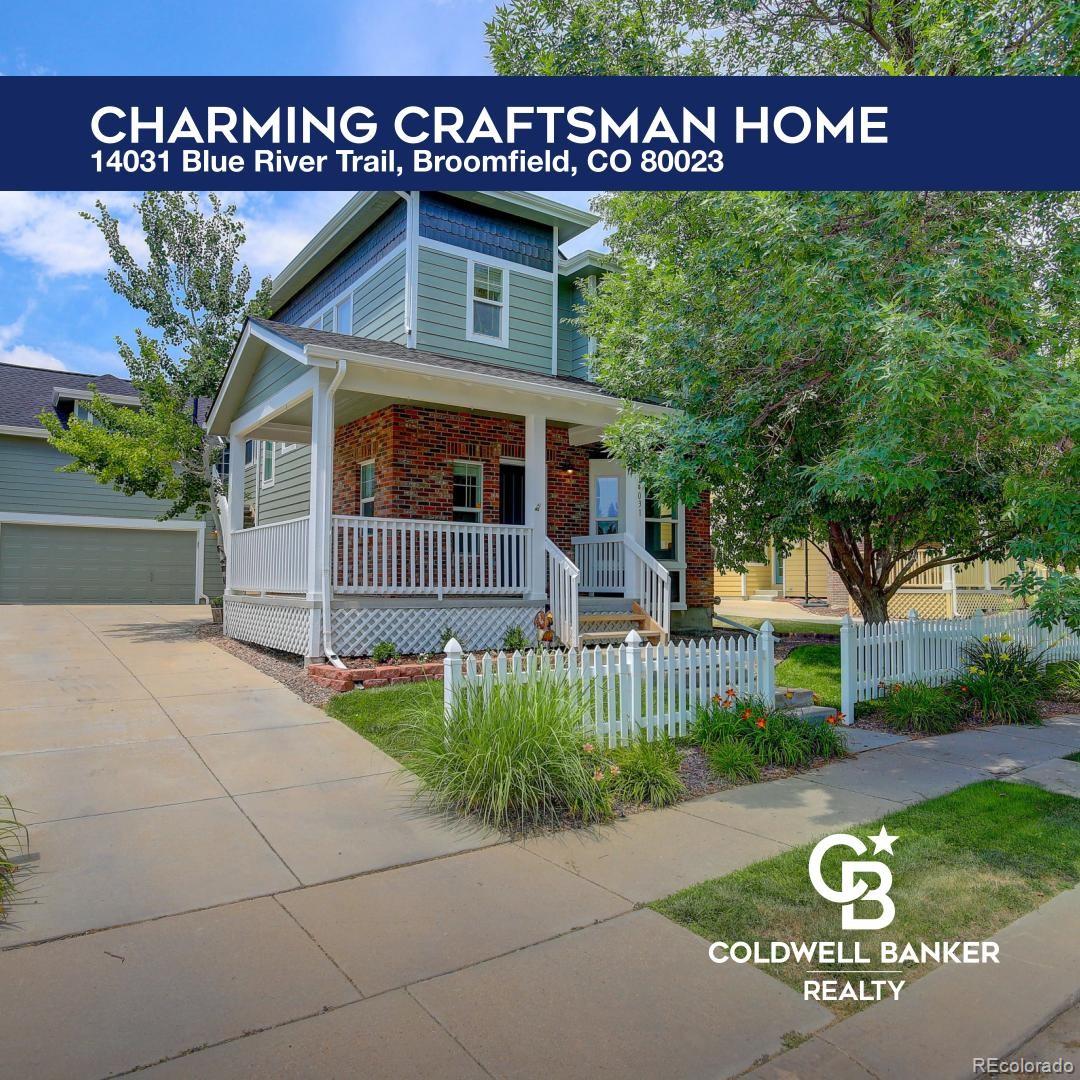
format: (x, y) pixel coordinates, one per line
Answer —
(55, 308)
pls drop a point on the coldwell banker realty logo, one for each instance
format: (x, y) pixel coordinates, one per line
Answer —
(851, 969)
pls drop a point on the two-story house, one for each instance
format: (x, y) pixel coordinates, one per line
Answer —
(423, 444)
(65, 538)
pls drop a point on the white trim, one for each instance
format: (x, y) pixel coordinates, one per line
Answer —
(24, 432)
(492, 260)
(91, 522)
(471, 333)
(479, 507)
(412, 265)
(61, 393)
(555, 302)
(573, 266)
(292, 393)
(263, 481)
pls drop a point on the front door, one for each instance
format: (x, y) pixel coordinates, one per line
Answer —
(511, 493)
(607, 500)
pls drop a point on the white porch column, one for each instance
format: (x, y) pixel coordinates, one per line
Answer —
(536, 502)
(635, 528)
(236, 496)
(319, 501)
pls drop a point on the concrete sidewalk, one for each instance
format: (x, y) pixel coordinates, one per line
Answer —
(263, 899)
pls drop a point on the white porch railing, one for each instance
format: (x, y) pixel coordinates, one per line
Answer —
(270, 558)
(400, 556)
(563, 577)
(602, 563)
(617, 563)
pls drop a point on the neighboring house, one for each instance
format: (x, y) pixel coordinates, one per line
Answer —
(942, 592)
(422, 443)
(66, 538)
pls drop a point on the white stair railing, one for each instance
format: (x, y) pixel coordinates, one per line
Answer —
(653, 584)
(405, 556)
(602, 562)
(563, 578)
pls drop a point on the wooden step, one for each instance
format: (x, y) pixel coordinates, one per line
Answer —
(612, 616)
(606, 637)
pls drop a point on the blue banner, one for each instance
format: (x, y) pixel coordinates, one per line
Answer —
(323, 133)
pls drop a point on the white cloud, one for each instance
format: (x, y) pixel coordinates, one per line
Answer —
(13, 352)
(279, 224)
(45, 229)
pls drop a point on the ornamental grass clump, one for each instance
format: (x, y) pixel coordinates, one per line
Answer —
(1002, 680)
(648, 772)
(920, 707)
(514, 754)
(766, 736)
(13, 836)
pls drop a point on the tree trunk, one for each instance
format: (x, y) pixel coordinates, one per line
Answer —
(873, 604)
(857, 565)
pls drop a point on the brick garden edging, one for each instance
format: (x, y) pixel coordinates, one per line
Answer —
(341, 680)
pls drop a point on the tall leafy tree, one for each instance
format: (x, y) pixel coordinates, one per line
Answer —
(193, 294)
(785, 37)
(877, 371)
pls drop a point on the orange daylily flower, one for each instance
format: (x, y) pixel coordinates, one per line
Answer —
(761, 723)
(747, 714)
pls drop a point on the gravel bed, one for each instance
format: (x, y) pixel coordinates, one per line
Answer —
(286, 668)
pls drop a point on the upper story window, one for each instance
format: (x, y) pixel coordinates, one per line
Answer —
(367, 489)
(249, 451)
(82, 412)
(488, 318)
(337, 318)
(267, 472)
(468, 490)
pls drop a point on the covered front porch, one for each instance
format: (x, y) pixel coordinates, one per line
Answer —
(436, 499)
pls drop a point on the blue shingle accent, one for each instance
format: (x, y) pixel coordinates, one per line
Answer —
(488, 232)
(363, 253)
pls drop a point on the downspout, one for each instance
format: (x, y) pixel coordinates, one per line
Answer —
(328, 648)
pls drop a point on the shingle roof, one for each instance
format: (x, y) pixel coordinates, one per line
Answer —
(305, 335)
(26, 391)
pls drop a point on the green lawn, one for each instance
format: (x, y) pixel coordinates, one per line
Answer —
(789, 626)
(813, 667)
(379, 714)
(965, 865)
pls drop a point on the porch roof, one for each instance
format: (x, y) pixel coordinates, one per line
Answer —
(318, 347)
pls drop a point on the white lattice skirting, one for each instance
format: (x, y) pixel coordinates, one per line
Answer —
(272, 625)
(418, 629)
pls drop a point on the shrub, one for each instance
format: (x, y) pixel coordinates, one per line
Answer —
(445, 635)
(13, 836)
(917, 706)
(735, 761)
(648, 772)
(1000, 657)
(384, 652)
(1062, 680)
(772, 736)
(997, 699)
(514, 640)
(512, 753)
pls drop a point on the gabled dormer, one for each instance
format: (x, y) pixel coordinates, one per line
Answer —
(474, 275)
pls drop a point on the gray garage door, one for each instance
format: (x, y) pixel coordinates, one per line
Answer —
(76, 564)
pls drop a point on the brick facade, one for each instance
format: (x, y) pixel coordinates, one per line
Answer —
(414, 448)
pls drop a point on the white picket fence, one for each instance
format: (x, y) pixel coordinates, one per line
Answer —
(631, 688)
(875, 656)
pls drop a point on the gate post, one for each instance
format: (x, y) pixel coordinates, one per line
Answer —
(451, 675)
(914, 661)
(632, 643)
(847, 669)
(765, 667)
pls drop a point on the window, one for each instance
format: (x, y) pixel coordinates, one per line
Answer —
(367, 489)
(249, 451)
(82, 412)
(468, 488)
(267, 464)
(222, 465)
(487, 314)
(661, 530)
(337, 318)
(606, 512)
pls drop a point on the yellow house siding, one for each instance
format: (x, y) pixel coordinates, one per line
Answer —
(729, 582)
(795, 572)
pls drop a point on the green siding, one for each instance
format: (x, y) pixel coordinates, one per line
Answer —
(379, 303)
(442, 308)
(288, 496)
(573, 344)
(275, 370)
(30, 484)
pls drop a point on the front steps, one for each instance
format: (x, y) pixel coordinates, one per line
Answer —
(611, 627)
(765, 594)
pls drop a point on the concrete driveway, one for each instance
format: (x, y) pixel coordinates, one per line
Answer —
(230, 885)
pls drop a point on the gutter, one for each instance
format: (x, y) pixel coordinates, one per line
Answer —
(327, 631)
